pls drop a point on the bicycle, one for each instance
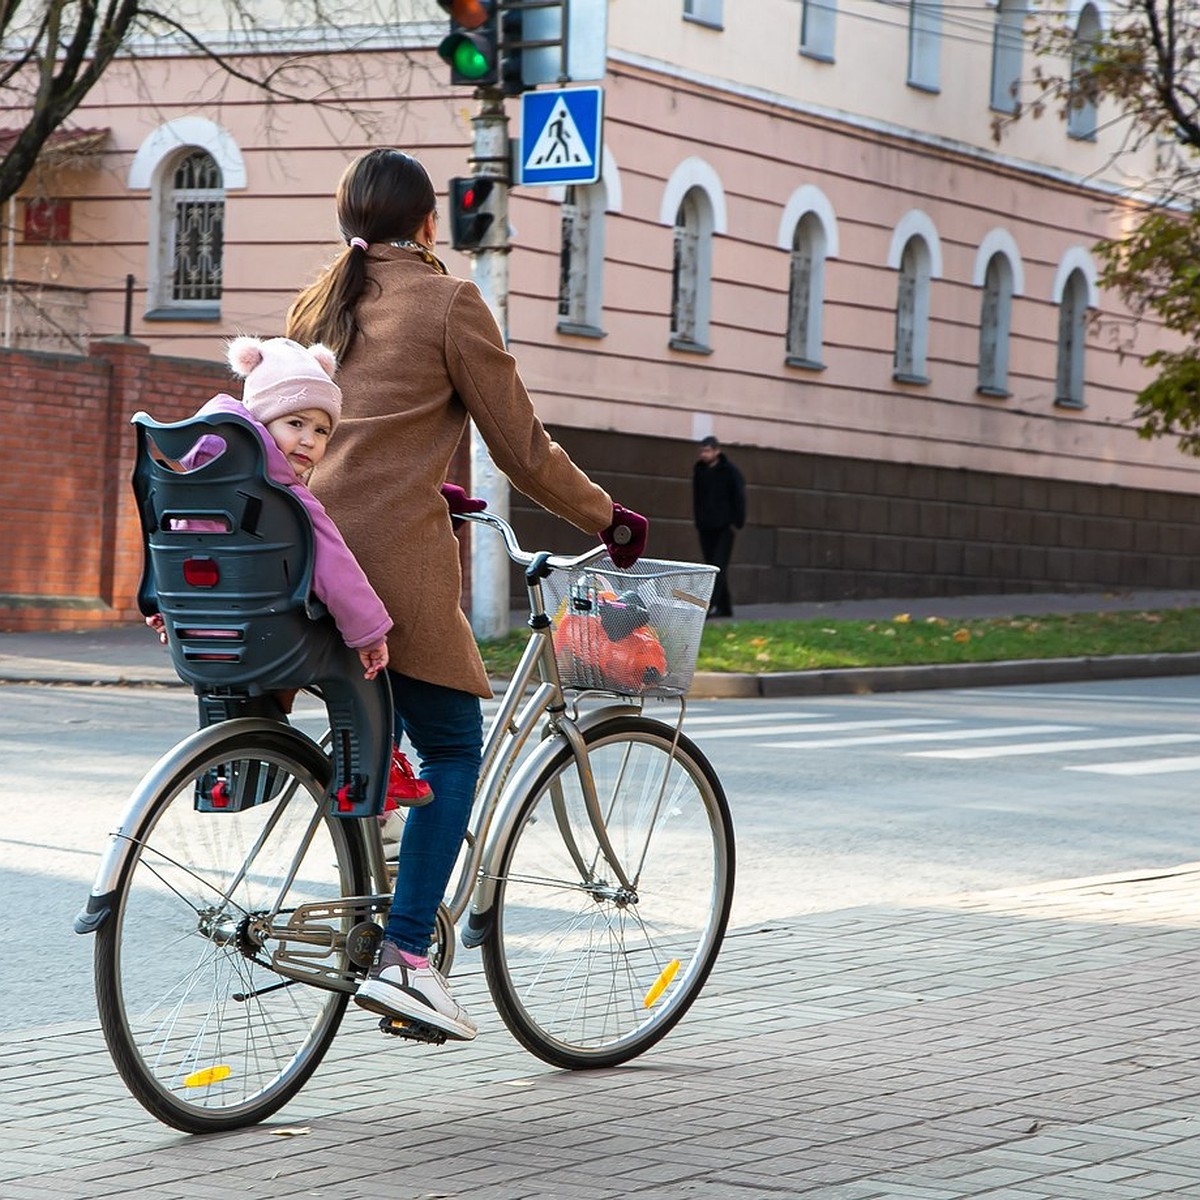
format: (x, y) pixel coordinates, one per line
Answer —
(234, 909)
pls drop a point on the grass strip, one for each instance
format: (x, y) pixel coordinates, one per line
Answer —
(764, 646)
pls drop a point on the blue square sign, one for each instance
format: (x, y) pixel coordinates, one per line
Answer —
(560, 136)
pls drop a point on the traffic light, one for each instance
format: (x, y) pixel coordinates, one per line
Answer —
(512, 45)
(472, 47)
(468, 223)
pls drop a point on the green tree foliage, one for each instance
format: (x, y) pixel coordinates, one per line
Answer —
(1148, 62)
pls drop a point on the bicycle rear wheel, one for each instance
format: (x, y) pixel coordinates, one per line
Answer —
(205, 1033)
(586, 972)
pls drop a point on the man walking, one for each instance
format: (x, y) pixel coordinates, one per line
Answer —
(719, 505)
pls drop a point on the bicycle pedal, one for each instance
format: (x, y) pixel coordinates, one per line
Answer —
(414, 1031)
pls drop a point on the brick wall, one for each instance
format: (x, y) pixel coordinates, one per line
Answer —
(72, 549)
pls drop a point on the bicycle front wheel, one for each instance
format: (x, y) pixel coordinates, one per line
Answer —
(205, 1032)
(584, 970)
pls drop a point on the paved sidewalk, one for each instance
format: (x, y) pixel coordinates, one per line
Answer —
(130, 654)
(1031, 1044)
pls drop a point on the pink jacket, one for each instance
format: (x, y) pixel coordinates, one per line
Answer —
(338, 581)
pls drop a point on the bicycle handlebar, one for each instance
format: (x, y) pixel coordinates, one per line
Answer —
(523, 557)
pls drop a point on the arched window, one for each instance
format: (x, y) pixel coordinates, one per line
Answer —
(194, 219)
(581, 259)
(1081, 106)
(818, 21)
(995, 326)
(693, 207)
(1007, 44)
(1072, 329)
(188, 165)
(912, 312)
(806, 293)
(924, 44)
(691, 272)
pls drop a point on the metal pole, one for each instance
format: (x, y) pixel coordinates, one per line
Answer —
(490, 614)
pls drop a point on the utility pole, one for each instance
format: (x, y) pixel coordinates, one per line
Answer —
(489, 269)
(505, 48)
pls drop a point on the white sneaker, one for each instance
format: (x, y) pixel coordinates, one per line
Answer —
(394, 989)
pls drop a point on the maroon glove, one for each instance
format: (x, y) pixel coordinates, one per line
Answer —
(457, 501)
(625, 537)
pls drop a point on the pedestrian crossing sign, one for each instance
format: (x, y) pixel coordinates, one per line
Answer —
(560, 136)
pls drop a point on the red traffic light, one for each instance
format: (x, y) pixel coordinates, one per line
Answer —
(470, 14)
(468, 223)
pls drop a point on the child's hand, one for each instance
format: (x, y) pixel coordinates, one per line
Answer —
(373, 658)
(159, 626)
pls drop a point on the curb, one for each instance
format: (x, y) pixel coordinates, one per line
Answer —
(707, 685)
(712, 685)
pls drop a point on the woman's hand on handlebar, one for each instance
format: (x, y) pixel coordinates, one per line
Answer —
(626, 536)
(458, 502)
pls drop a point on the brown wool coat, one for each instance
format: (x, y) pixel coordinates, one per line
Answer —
(428, 355)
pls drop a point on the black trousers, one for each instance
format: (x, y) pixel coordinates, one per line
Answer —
(717, 546)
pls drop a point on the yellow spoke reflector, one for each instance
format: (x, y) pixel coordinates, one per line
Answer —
(662, 982)
(208, 1076)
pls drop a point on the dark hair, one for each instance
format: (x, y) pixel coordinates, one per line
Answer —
(383, 196)
(710, 443)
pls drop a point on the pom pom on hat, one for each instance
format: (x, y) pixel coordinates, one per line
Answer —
(283, 377)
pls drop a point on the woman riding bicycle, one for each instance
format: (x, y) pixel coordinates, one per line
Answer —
(420, 352)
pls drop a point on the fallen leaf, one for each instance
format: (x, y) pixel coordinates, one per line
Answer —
(291, 1131)
(902, 618)
(962, 635)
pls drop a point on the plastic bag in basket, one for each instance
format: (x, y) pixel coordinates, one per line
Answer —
(612, 645)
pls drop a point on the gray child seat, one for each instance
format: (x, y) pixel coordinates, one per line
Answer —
(234, 591)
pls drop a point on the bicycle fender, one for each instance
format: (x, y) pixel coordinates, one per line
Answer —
(121, 845)
(505, 818)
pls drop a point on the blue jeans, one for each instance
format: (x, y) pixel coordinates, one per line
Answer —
(445, 728)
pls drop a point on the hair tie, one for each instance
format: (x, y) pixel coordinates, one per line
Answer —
(361, 243)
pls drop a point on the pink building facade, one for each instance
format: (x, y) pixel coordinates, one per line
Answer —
(892, 324)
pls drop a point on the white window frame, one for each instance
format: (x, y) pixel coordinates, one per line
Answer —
(1000, 277)
(581, 260)
(808, 233)
(1008, 47)
(705, 12)
(818, 29)
(916, 255)
(694, 194)
(925, 45)
(1082, 118)
(152, 170)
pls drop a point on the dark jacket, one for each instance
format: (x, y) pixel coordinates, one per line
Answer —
(718, 495)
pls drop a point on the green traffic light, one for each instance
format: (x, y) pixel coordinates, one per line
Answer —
(463, 53)
(469, 61)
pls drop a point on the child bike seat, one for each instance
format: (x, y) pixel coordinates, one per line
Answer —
(228, 562)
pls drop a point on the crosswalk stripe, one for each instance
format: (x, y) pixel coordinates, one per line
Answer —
(937, 735)
(1149, 766)
(1159, 739)
(743, 719)
(759, 731)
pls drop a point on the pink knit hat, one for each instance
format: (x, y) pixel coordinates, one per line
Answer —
(283, 377)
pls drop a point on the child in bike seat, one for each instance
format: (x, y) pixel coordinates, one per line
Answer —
(294, 405)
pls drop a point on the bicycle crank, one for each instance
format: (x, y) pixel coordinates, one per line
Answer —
(320, 946)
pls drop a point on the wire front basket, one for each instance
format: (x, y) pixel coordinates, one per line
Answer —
(635, 632)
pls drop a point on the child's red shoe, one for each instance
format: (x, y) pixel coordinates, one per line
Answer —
(405, 790)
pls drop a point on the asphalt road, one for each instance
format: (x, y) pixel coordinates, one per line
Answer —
(839, 801)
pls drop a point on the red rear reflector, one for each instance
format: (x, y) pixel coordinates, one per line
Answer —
(201, 572)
